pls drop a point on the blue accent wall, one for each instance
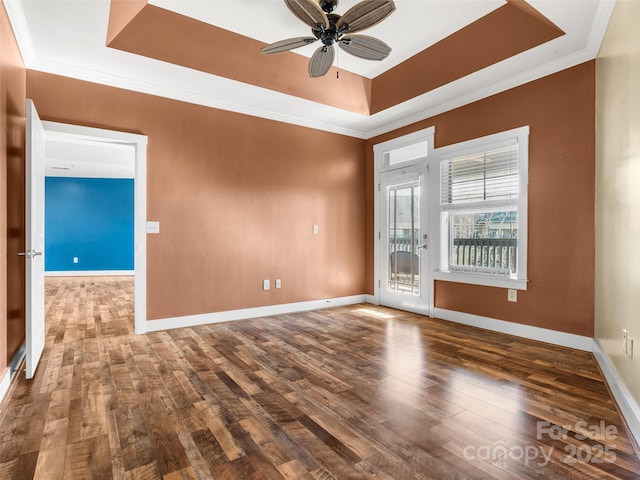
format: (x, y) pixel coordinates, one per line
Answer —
(91, 219)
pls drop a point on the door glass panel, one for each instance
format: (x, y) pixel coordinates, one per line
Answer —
(404, 238)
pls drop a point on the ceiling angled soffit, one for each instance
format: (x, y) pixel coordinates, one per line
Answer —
(164, 35)
(151, 31)
(505, 32)
(121, 13)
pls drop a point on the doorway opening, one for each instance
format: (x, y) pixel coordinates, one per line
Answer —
(404, 254)
(107, 154)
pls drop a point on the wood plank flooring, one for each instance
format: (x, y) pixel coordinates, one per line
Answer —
(350, 393)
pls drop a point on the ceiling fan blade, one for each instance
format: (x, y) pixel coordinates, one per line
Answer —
(365, 47)
(321, 61)
(365, 14)
(309, 12)
(288, 44)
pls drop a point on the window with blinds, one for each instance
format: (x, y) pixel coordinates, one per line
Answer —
(482, 176)
(480, 203)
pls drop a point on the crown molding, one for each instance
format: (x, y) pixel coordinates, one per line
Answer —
(21, 30)
(427, 109)
(184, 95)
(599, 26)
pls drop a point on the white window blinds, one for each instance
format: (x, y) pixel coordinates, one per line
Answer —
(482, 176)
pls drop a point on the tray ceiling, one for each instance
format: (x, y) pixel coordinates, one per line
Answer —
(445, 53)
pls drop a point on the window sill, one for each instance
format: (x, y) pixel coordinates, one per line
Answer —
(485, 280)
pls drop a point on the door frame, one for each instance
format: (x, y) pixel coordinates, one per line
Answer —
(139, 143)
(430, 166)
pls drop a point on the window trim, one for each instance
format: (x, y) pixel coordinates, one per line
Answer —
(521, 136)
(381, 149)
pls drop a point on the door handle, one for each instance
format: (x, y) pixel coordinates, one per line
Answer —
(29, 253)
(425, 246)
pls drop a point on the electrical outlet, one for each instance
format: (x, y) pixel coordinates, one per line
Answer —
(315, 229)
(278, 283)
(75, 259)
(512, 295)
(630, 342)
(265, 285)
(625, 340)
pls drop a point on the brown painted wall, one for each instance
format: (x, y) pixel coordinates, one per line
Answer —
(506, 31)
(12, 111)
(561, 112)
(236, 197)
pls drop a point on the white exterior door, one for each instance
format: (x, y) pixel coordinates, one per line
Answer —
(34, 239)
(403, 240)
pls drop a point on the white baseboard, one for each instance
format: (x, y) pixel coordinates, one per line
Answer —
(14, 364)
(554, 337)
(626, 402)
(245, 313)
(90, 273)
(372, 299)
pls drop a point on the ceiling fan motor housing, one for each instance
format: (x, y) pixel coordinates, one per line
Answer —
(330, 35)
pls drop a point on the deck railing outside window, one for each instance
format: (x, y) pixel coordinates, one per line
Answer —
(490, 253)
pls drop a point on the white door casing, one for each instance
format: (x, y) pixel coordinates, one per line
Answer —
(139, 144)
(410, 159)
(36, 131)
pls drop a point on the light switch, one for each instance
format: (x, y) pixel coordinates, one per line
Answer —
(153, 227)
(265, 285)
(315, 229)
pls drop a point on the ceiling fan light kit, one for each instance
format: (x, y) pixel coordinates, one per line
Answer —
(332, 29)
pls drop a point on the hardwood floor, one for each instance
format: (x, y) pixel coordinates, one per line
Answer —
(345, 393)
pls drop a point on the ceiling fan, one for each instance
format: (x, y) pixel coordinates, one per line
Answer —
(330, 29)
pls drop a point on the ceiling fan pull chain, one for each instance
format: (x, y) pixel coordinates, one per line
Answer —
(337, 63)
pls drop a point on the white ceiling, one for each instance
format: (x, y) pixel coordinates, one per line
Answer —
(68, 156)
(410, 29)
(67, 37)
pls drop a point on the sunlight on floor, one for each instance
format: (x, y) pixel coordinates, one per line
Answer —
(374, 313)
(404, 362)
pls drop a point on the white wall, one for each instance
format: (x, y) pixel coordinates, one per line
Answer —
(618, 191)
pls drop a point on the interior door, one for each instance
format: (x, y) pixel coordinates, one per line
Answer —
(404, 240)
(34, 239)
